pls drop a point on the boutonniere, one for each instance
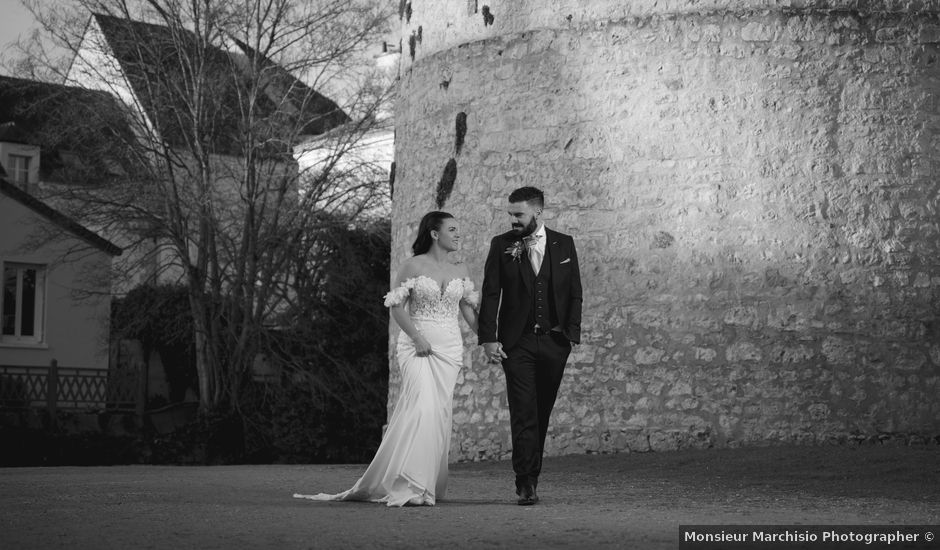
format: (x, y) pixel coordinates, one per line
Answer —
(515, 249)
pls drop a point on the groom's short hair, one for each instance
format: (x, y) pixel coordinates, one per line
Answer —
(531, 195)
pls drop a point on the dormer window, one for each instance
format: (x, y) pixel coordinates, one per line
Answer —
(18, 170)
(20, 164)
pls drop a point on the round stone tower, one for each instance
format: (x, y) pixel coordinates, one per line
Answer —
(752, 186)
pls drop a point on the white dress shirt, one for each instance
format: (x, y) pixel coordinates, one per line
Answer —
(536, 245)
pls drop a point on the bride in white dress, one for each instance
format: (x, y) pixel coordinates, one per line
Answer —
(410, 466)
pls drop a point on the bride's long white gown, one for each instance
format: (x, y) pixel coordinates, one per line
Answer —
(410, 466)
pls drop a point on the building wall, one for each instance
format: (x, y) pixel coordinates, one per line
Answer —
(77, 300)
(94, 67)
(368, 159)
(752, 191)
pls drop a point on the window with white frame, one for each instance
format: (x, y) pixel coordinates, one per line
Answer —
(18, 169)
(22, 302)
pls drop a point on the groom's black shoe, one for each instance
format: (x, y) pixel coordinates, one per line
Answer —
(527, 496)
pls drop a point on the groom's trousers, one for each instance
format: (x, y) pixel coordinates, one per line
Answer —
(533, 368)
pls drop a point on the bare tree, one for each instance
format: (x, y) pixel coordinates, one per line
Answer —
(218, 95)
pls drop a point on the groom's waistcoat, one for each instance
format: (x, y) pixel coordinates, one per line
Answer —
(542, 311)
(508, 297)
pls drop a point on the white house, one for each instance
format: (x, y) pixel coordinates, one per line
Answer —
(56, 286)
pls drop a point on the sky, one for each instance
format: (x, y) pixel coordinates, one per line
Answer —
(15, 20)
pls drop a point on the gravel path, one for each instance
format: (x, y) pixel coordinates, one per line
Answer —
(587, 501)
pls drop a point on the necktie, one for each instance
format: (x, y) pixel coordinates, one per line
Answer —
(535, 253)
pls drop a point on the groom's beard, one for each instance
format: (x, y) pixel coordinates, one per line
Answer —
(528, 229)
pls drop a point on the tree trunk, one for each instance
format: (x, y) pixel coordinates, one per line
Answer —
(203, 363)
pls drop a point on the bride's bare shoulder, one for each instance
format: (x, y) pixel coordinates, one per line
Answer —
(409, 268)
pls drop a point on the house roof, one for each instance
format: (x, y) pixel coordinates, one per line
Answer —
(79, 132)
(148, 56)
(56, 217)
(11, 132)
(318, 113)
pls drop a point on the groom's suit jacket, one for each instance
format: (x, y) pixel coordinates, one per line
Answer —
(508, 291)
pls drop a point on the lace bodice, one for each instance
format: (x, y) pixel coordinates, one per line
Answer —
(430, 300)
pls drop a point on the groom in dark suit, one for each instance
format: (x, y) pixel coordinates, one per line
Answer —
(530, 315)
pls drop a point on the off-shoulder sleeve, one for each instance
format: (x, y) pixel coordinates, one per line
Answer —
(397, 296)
(470, 294)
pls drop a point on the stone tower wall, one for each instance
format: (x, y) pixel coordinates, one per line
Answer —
(753, 191)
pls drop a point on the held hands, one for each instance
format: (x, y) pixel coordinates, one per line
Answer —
(493, 351)
(422, 346)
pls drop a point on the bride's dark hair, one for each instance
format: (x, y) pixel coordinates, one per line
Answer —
(430, 222)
